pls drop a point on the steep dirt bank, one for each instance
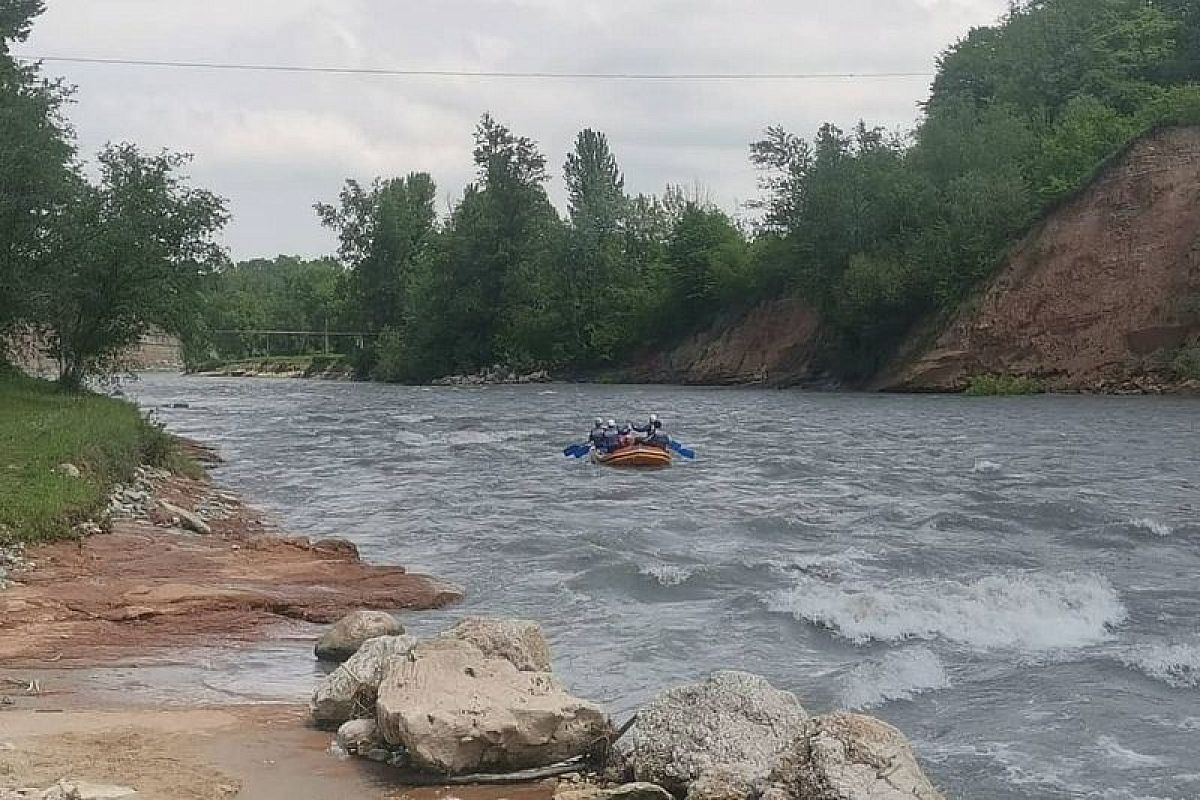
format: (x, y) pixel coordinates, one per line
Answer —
(773, 344)
(1097, 296)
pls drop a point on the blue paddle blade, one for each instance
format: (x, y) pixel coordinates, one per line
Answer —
(686, 452)
(577, 451)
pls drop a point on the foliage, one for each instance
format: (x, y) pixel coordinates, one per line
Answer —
(1185, 363)
(1002, 386)
(36, 155)
(286, 293)
(126, 254)
(41, 428)
(382, 232)
(878, 230)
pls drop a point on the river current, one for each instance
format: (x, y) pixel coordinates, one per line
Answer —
(1014, 582)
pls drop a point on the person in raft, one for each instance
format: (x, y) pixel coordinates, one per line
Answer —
(612, 437)
(652, 433)
(596, 437)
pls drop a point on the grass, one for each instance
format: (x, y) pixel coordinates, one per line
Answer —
(1002, 386)
(41, 428)
(1185, 363)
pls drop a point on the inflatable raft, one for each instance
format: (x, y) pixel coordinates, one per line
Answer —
(638, 456)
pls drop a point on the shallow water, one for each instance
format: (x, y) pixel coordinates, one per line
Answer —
(1013, 582)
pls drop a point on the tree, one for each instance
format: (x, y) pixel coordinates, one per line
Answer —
(127, 254)
(595, 185)
(1047, 51)
(706, 263)
(36, 155)
(382, 232)
(595, 261)
(284, 293)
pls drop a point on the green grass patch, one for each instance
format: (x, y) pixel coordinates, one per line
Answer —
(1002, 386)
(41, 428)
(1185, 363)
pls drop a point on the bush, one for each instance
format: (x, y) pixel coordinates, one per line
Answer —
(1002, 386)
(1185, 366)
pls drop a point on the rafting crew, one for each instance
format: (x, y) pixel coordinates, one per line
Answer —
(606, 437)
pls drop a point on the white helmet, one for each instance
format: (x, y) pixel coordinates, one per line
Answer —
(599, 423)
(654, 417)
(612, 423)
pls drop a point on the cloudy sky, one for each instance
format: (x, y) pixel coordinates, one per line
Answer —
(274, 143)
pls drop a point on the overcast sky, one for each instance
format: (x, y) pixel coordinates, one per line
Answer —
(274, 143)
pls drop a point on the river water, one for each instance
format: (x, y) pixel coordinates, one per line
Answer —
(1014, 582)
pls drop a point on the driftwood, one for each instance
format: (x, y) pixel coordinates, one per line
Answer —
(524, 776)
(596, 756)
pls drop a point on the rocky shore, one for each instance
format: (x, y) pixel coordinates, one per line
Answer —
(176, 563)
(479, 703)
(181, 561)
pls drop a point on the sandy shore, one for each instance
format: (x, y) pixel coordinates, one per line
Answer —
(149, 590)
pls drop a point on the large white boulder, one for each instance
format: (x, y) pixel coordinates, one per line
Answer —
(349, 691)
(520, 641)
(458, 710)
(348, 634)
(717, 739)
(850, 757)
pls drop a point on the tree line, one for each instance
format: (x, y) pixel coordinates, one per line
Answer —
(89, 265)
(878, 230)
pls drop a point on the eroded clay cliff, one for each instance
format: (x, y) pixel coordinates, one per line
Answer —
(772, 344)
(1097, 296)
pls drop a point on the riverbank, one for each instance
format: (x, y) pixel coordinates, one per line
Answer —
(150, 592)
(154, 582)
(333, 368)
(62, 452)
(167, 566)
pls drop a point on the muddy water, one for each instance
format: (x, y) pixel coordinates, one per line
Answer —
(1013, 582)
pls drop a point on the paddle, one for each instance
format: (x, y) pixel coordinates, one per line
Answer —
(686, 452)
(577, 451)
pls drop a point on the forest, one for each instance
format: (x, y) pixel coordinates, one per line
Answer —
(876, 229)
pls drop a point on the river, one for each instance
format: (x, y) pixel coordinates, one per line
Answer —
(1014, 582)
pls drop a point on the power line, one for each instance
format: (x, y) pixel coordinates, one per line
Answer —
(487, 74)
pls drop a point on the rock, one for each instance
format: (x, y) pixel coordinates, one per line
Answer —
(724, 733)
(627, 791)
(359, 736)
(721, 783)
(349, 691)
(76, 790)
(457, 710)
(519, 641)
(336, 546)
(638, 791)
(850, 757)
(186, 518)
(68, 471)
(348, 634)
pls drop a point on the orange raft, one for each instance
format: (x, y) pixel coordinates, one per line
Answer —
(637, 456)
